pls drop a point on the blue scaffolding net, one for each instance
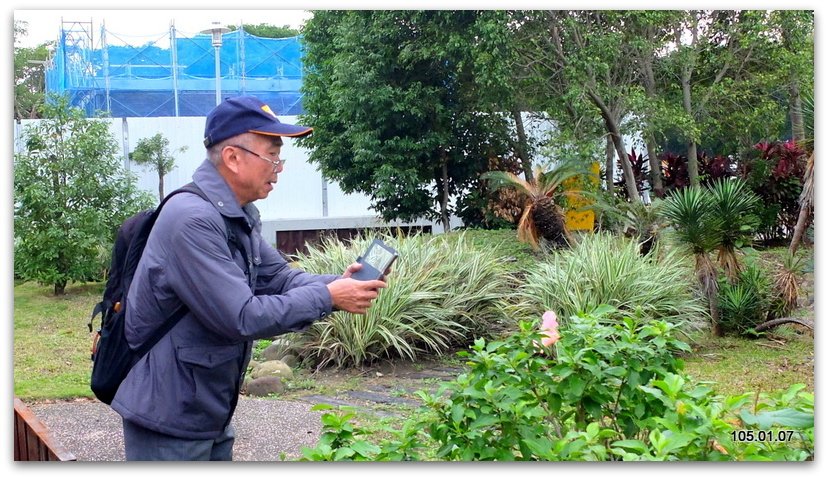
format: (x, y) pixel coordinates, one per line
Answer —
(174, 76)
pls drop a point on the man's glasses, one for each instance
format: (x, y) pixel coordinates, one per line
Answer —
(275, 163)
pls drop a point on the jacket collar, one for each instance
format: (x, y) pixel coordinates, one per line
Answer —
(217, 190)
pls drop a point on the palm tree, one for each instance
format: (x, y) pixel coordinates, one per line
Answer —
(733, 203)
(542, 217)
(690, 212)
(806, 198)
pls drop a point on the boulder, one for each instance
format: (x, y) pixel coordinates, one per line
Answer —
(290, 360)
(272, 368)
(276, 350)
(265, 386)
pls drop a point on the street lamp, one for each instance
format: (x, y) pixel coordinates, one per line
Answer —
(217, 30)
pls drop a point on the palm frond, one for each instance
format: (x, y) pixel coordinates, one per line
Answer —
(689, 211)
(506, 179)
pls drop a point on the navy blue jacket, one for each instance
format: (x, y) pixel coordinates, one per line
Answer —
(188, 384)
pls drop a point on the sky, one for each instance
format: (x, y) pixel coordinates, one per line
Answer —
(136, 26)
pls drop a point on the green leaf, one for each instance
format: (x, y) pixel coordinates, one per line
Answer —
(783, 417)
(366, 449)
(631, 445)
(343, 453)
(483, 422)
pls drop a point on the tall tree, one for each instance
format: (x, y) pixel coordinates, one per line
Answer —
(722, 68)
(154, 152)
(70, 195)
(649, 36)
(796, 30)
(29, 75)
(404, 104)
(583, 57)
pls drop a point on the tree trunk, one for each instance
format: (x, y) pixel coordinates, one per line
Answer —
(60, 288)
(160, 186)
(629, 176)
(687, 102)
(780, 321)
(445, 194)
(795, 108)
(656, 182)
(706, 275)
(610, 166)
(806, 200)
(693, 164)
(620, 149)
(522, 145)
(692, 156)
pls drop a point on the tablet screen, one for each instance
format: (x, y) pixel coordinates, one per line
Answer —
(378, 257)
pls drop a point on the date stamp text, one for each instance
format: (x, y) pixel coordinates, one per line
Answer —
(750, 435)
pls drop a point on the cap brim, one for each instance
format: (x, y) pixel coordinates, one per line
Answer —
(283, 129)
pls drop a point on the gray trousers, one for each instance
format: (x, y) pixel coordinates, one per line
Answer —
(142, 444)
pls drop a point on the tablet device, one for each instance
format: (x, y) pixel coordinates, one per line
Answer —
(377, 258)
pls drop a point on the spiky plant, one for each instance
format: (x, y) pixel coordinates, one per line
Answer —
(690, 213)
(786, 286)
(740, 307)
(734, 204)
(542, 217)
(440, 295)
(636, 219)
(606, 269)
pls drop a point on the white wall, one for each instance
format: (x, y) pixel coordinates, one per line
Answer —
(295, 203)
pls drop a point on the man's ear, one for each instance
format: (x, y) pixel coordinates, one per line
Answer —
(230, 157)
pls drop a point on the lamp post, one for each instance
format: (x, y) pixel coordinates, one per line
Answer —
(217, 30)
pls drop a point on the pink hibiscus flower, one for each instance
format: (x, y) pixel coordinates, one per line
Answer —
(549, 328)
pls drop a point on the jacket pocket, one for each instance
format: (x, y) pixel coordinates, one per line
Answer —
(207, 356)
(214, 372)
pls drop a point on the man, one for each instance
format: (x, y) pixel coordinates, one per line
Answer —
(178, 400)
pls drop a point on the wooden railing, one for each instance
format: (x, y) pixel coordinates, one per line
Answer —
(32, 440)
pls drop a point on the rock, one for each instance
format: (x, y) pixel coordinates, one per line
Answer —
(253, 365)
(272, 368)
(276, 350)
(290, 360)
(265, 386)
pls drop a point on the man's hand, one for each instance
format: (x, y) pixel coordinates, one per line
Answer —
(352, 295)
(354, 267)
(351, 269)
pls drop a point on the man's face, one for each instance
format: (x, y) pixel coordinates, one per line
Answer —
(259, 166)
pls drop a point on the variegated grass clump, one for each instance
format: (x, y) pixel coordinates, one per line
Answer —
(606, 269)
(440, 294)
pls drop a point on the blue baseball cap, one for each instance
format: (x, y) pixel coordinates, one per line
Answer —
(246, 114)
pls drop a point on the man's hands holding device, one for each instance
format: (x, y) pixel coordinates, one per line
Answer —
(353, 295)
(361, 281)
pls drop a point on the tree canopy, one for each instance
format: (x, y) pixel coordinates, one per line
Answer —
(71, 193)
(404, 103)
(29, 75)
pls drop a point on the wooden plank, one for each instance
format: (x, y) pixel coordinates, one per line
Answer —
(32, 439)
(19, 437)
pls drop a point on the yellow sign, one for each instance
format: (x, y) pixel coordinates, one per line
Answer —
(577, 219)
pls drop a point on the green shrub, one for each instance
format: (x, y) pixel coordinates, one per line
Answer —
(602, 392)
(744, 304)
(439, 295)
(604, 269)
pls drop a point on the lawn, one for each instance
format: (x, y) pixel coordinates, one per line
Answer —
(52, 343)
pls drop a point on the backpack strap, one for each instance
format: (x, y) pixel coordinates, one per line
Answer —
(230, 232)
(182, 310)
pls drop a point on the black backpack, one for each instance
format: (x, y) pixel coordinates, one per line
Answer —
(112, 358)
